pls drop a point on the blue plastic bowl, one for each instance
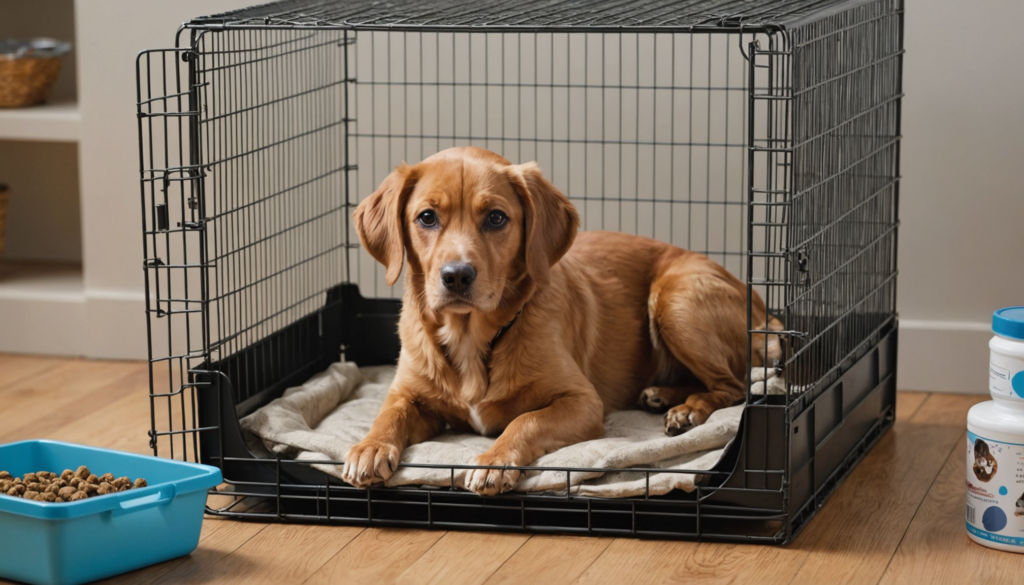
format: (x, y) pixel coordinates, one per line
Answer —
(103, 536)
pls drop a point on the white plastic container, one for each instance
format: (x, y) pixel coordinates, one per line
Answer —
(995, 442)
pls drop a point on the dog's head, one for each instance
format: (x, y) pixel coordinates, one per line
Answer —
(471, 225)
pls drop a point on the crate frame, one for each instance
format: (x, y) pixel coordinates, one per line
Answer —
(771, 480)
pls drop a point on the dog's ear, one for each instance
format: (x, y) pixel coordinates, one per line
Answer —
(551, 220)
(379, 221)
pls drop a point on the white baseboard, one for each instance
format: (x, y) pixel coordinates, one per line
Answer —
(943, 356)
(114, 326)
(105, 325)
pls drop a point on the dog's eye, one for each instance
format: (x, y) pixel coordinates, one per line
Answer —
(496, 219)
(427, 219)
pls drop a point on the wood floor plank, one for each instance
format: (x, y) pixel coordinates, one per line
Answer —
(33, 399)
(861, 509)
(550, 560)
(120, 424)
(377, 555)
(935, 549)
(646, 562)
(14, 368)
(77, 402)
(463, 558)
(907, 404)
(217, 536)
(278, 553)
(858, 531)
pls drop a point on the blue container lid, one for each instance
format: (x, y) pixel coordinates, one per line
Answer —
(1009, 322)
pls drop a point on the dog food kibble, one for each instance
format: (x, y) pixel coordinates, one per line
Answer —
(69, 486)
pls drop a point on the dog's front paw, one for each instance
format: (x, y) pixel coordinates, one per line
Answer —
(682, 418)
(488, 482)
(370, 461)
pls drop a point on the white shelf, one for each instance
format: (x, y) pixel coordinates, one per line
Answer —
(41, 281)
(52, 122)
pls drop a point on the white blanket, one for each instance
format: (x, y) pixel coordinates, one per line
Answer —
(321, 419)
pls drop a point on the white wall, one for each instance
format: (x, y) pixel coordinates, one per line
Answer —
(110, 34)
(962, 194)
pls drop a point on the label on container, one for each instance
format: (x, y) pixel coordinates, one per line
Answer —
(995, 490)
(1005, 376)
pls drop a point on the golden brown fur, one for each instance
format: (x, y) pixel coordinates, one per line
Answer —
(604, 319)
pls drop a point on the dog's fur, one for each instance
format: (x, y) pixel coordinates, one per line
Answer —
(586, 327)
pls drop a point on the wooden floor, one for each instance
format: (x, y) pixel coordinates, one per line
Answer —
(898, 518)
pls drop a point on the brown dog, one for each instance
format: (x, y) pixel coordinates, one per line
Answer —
(511, 329)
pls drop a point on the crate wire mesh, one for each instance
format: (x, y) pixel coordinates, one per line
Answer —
(764, 134)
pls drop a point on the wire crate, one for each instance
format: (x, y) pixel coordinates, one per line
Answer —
(764, 134)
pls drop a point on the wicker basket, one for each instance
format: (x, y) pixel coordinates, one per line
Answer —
(4, 192)
(26, 81)
(28, 70)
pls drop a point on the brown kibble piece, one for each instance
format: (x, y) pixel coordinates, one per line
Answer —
(93, 479)
(52, 488)
(140, 483)
(59, 500)
(78, 496)
(18, 480)
(5, 484)
(30, 495)
(31, 478)
(5, 475)
(13, 492)
(104, 489)
(35, 487)
(67, 492)
(107, 477)
(47, 497)
(88, 488)
(19, 489)
(67, 475)
(82, 472)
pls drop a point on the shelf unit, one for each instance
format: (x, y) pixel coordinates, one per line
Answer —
(42, 283)
(52, 122)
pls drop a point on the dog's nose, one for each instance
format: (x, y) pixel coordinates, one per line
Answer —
(458, 276)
